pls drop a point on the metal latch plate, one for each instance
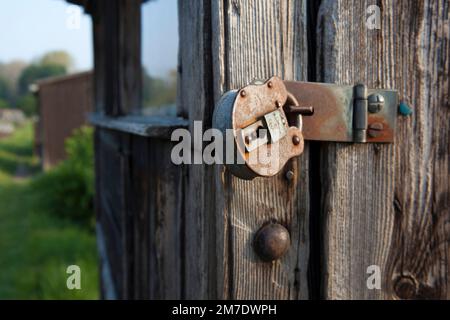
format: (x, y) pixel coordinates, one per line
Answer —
(333, 112)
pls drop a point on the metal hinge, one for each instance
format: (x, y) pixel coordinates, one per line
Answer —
(345, 113)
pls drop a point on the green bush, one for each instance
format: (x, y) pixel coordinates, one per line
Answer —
(28, 104)
(67, 190)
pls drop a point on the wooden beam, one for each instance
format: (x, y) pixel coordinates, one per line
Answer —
(117, 56)
(146, 126)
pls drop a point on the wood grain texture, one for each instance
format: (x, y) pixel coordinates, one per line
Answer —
(256, 40)
(195, 102)
(155, 207)
(388, 205)
(129, 55)
(117, 61)
(138, 206)
(109, 204)
(146, 126)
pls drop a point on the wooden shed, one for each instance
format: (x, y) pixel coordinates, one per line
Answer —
(167, 231)
(63, 106)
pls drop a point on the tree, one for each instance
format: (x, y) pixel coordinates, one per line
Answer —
(61, 58)
(10, 73)
(3, 104)
(158, 91)
(35, 72)
(28, 104)
(5, 90)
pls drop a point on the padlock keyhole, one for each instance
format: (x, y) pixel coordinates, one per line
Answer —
(261, 132)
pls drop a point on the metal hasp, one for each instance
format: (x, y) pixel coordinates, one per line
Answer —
(346, 113)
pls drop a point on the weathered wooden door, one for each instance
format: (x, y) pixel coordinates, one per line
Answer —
(349, 206)
(352, 210)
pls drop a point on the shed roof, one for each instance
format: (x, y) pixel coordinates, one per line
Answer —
(60, 79)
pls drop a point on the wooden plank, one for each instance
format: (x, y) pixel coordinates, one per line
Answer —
(109, 203)
(154, 205)
(387, 205)
(195, 101)
(166, 204)
(255, 40)
(146, 126)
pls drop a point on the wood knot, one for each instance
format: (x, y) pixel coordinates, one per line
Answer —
(406, 287)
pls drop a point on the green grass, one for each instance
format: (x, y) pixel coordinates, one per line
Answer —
(36, 248)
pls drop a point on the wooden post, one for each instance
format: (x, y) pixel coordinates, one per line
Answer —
(387, 205)
(117, 45)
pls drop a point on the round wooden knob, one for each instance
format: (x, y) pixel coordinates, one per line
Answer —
(271, 242)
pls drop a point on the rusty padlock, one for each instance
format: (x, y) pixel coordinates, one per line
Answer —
(265, 137)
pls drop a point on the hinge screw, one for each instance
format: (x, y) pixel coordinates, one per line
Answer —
(376, 102)
(375, 129)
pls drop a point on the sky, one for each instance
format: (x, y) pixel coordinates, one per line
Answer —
(30, 28)
(159, 36)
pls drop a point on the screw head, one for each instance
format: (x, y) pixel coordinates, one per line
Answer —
(375, 129)
(243, 93)
(289, 175)
(376, 102)
(296, 140)
(271, 241)
(270, 84)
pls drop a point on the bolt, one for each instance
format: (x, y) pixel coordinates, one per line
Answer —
(296, 140)
(303, 110)
(271, 241)
(375, 129)
(376, 102)
(270, 84)
(289, 175)
(243, 93)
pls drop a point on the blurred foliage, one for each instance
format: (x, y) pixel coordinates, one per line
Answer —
(28, 104)
(5, 90)
(157, 91)
(60, 58)
(36, 72)
(3, 104)
(36, 247)
(10, 72)
(17, 76)
(67, 190)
